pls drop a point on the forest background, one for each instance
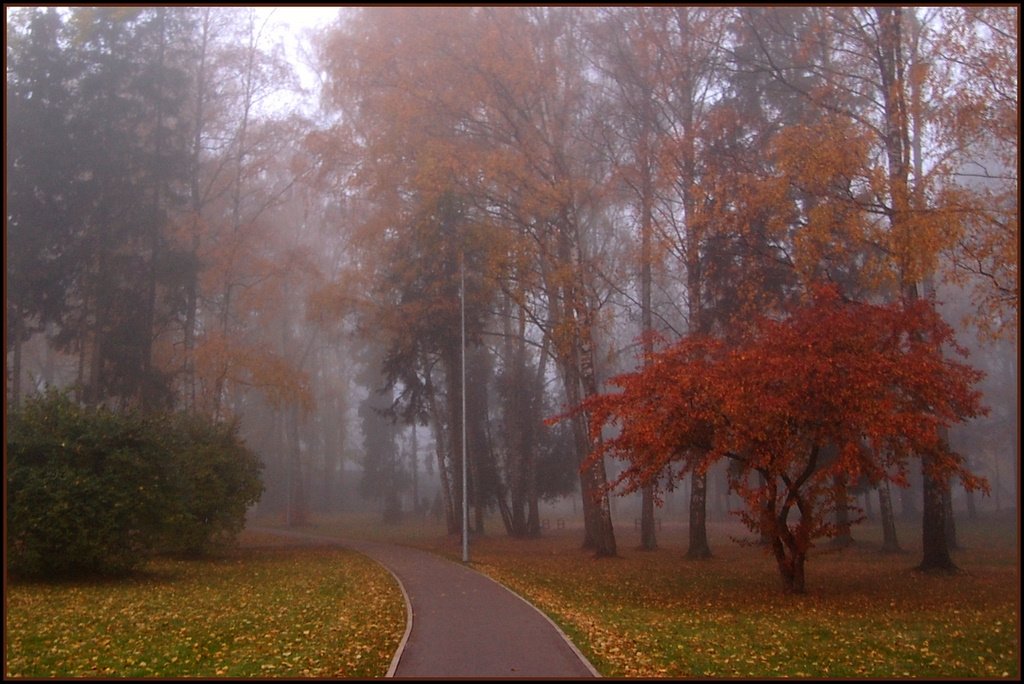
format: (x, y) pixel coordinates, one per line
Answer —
(185, 231)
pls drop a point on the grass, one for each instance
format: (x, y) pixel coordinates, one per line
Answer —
(865, 614)
(654, 614)
(273, 609)
(256, 612)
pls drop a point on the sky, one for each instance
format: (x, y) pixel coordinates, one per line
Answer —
(297, 20)
(293, 23)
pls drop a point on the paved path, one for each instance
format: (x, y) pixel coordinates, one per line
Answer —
(464, 624)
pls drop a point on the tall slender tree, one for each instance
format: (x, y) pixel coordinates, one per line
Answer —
(43, 195)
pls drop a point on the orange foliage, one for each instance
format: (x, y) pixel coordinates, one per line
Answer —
(222, 358)
(982, 122)
(836, 388)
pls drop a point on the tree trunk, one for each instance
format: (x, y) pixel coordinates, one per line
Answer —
(196, 204)
(146, 385)
(504, 509)
(298, 504)
(699, 547)
(935, 544)
(451, 523)
(515, 425)
(598, 534)
(480, 453)
(15, 372)
(794, 578)
(890, 544)
(648, 540)
(575, 352)
(844, 536)
(533, 527)
(414, 459)
(947, 505)
(790, 562)
(451, 520)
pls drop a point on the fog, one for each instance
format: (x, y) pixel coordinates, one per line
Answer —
(338, 234)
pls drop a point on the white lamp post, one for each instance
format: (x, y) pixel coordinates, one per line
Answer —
(465, 488)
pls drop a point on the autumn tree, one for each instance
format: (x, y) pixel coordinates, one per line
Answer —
(877, 162)
(159, 229)
(544, 191)
(137, 106)
(981, 123)
(407, 235)
(522, 437)
(870, 379)
(242, 173)
(479, 105)
(687, 132)
(786, 178)
(692, 43)
(629, 55)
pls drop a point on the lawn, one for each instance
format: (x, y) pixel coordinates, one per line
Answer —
(650, 614)
(865, 614)
(264, 611)
(274, 609)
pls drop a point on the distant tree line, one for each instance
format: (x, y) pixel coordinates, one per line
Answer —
(145, 172)
(585, 177)
(182, 236)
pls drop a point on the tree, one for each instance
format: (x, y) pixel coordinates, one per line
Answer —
(870, 379)
(383, 475)
(981, 122)
(111, 110)
(128, 123)
(520, 392)
(479, 106)
(155, 223)
(542, 187)
(42, 198)
(880, 158)
(242, 181)
(416, 229)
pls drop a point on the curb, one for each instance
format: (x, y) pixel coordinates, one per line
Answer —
(408, 603)
(408, 620)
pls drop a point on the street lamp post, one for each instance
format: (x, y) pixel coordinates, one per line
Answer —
(465, 488)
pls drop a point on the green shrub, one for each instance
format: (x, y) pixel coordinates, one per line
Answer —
(217, 480)
(90, 491)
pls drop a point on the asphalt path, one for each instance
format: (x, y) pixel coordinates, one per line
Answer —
(462, 624)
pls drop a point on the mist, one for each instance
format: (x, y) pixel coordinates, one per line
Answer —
(340, 236)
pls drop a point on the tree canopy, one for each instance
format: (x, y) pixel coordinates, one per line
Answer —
(833, 388)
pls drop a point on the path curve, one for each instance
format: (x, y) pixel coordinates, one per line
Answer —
(461, 623)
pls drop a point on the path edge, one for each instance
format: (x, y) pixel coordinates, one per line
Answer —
(408, 620)
(408, 604)
(562, 634)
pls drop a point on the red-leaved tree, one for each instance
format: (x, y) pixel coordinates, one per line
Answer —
(835, 388)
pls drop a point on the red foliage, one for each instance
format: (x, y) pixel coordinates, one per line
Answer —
(834, 388)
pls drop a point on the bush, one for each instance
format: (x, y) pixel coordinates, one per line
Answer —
(90, 491)
(217, 480)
